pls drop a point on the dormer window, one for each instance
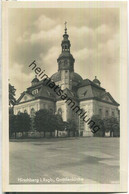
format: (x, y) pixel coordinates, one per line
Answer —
(35, 91)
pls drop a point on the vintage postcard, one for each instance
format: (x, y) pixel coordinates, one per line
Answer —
(64, 96)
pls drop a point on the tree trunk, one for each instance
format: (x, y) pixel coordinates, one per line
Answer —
(51, 133)
(26, 134)
(103, 133)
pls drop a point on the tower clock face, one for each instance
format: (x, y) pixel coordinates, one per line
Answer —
(65, 64)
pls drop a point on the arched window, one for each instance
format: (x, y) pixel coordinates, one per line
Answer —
(63, 48)
(60, 111)
(25, 111)
(19, 112)
(32, 112)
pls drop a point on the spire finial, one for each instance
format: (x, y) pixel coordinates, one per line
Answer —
(65, 27)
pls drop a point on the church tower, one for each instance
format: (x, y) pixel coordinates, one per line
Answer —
(66, 62)
(66, 77)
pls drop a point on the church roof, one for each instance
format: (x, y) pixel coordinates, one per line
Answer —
(86, 82)
(56, 77)
(65, 54)
(92, 91)
(22, 95)
(70, 94)
(108, 95)
(74, 77)
(46, 92)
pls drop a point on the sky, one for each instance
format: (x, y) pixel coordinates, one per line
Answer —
(36, 34)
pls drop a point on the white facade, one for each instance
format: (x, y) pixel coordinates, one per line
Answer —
(34, 105)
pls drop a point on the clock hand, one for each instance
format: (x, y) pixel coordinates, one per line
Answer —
(85, 92)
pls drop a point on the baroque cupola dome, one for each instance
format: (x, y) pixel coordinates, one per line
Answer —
(96, 81)
(35, 80)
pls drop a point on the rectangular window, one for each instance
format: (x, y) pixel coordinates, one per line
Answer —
(113, 113)
(107, 113)
(100, 112)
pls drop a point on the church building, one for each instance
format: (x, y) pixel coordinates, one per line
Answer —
(89, 95)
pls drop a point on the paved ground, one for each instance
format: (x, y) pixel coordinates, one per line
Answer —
(67, 160)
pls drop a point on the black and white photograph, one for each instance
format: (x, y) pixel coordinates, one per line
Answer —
(65, 96)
